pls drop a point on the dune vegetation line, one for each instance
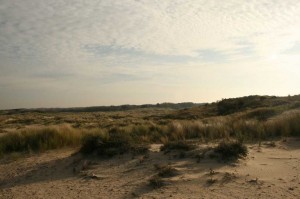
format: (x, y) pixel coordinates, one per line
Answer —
(232, 121)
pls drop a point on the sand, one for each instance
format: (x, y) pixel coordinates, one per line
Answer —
(267, 172)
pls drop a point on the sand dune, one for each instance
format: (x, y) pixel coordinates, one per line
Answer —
(267, 172)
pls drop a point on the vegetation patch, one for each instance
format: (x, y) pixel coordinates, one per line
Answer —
(211, 181)
(261, 114)
(166, 171)
(231, 150)
(156, 182)
(111, 144)
(177, 145)
(40, 139)
(118, 130)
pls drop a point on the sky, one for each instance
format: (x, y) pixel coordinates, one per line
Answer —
(62, 53)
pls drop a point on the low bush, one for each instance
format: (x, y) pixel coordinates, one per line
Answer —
(177, 145)
(166, 171)
(116, 142)
(156, 182)
(231, 150)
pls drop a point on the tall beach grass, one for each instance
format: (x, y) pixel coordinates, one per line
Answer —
(40, 139)
(216, 128)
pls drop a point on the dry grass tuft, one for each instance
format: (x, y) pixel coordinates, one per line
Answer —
(156, 182)
(166, 171)
(177, 145)
(40, 139)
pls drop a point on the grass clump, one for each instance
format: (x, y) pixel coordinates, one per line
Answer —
(286, 124)
(115, 142)
(211, 181)
(177, 145)
(166, 171)
(231, 150)
(156, 182)
(40, 139)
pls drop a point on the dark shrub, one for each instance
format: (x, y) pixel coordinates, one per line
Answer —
(156, 182)
(105, 147)
(177, 145)
(115, 143)
(167, 171)
(261, 114)
(91, 144)
(231, 150)
(138, 149)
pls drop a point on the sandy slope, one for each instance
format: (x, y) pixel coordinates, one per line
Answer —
(269, 172)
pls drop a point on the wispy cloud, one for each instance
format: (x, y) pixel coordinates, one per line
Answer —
(295, 49)
(52, 31)
(130, 40)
